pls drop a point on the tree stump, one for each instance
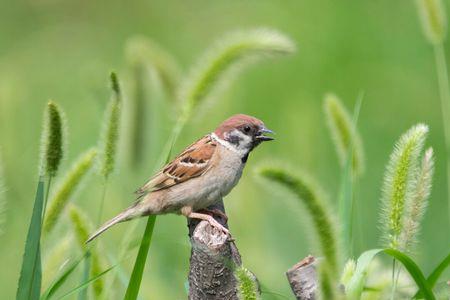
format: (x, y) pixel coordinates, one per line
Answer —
(303, 278)
(213, 258)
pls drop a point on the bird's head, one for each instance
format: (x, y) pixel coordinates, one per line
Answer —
(243, 132)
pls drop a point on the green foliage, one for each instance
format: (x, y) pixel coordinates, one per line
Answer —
(67, 188)
(400, 183)
(62, 277)
(29, 287)
(82, 228)
(138, 269)
(435, 275)
(433, 19)
(418, 204)
(52, 140)
(357, 282)
(229, 53)
(344, 134)
(110, 135)
(86, 284)
(247, 284)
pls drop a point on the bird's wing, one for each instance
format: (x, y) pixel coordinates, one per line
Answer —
(191, 163)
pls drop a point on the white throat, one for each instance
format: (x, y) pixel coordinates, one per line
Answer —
(239, 151)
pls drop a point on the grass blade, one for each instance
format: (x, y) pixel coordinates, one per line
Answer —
(30, 275)
(138, 269)
(83, 295)
(357, 282)
(434, 276)
(87, 283)
(59, 281)
(136, 276)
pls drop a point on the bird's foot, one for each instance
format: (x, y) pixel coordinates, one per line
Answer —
(210, 220)
(215, 212)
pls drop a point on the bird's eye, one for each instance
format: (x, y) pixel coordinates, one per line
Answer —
(247, 129)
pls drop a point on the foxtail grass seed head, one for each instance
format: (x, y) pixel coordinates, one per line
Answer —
(247, 284)
(67, 188)
(318, 210)
(52, 140)
(115, 84)
(433, 18)
(400, 182)
(82, 227)
(142, 53)
(229, 53)
(343, 133)
(417, 206)
(110, 133)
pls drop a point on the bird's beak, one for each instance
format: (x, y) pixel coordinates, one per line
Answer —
(261, 137)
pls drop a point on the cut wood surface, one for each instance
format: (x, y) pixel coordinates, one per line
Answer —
(303, 278)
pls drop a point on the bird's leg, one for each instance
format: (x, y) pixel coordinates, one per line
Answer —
(214, 212)
(209, 219)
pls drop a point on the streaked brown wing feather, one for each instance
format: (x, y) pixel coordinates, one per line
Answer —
(191, 163)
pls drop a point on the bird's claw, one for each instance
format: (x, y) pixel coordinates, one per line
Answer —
(218, 226)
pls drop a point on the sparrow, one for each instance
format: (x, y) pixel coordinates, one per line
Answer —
(201, 175)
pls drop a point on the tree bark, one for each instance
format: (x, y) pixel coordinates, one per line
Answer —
(303, 278)
(213, 258)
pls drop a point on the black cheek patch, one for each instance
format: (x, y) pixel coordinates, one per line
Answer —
(234, 139)
(245, 158)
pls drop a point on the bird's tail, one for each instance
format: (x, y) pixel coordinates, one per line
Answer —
(122, 217)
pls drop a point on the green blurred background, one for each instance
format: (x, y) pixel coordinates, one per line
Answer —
(64, 50)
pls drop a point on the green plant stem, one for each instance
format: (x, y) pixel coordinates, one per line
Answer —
(102, 201)
(352, 218)
(47, 192)
(444, 91)
(394, 282)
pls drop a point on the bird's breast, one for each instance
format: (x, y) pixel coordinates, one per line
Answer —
(228, 171)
